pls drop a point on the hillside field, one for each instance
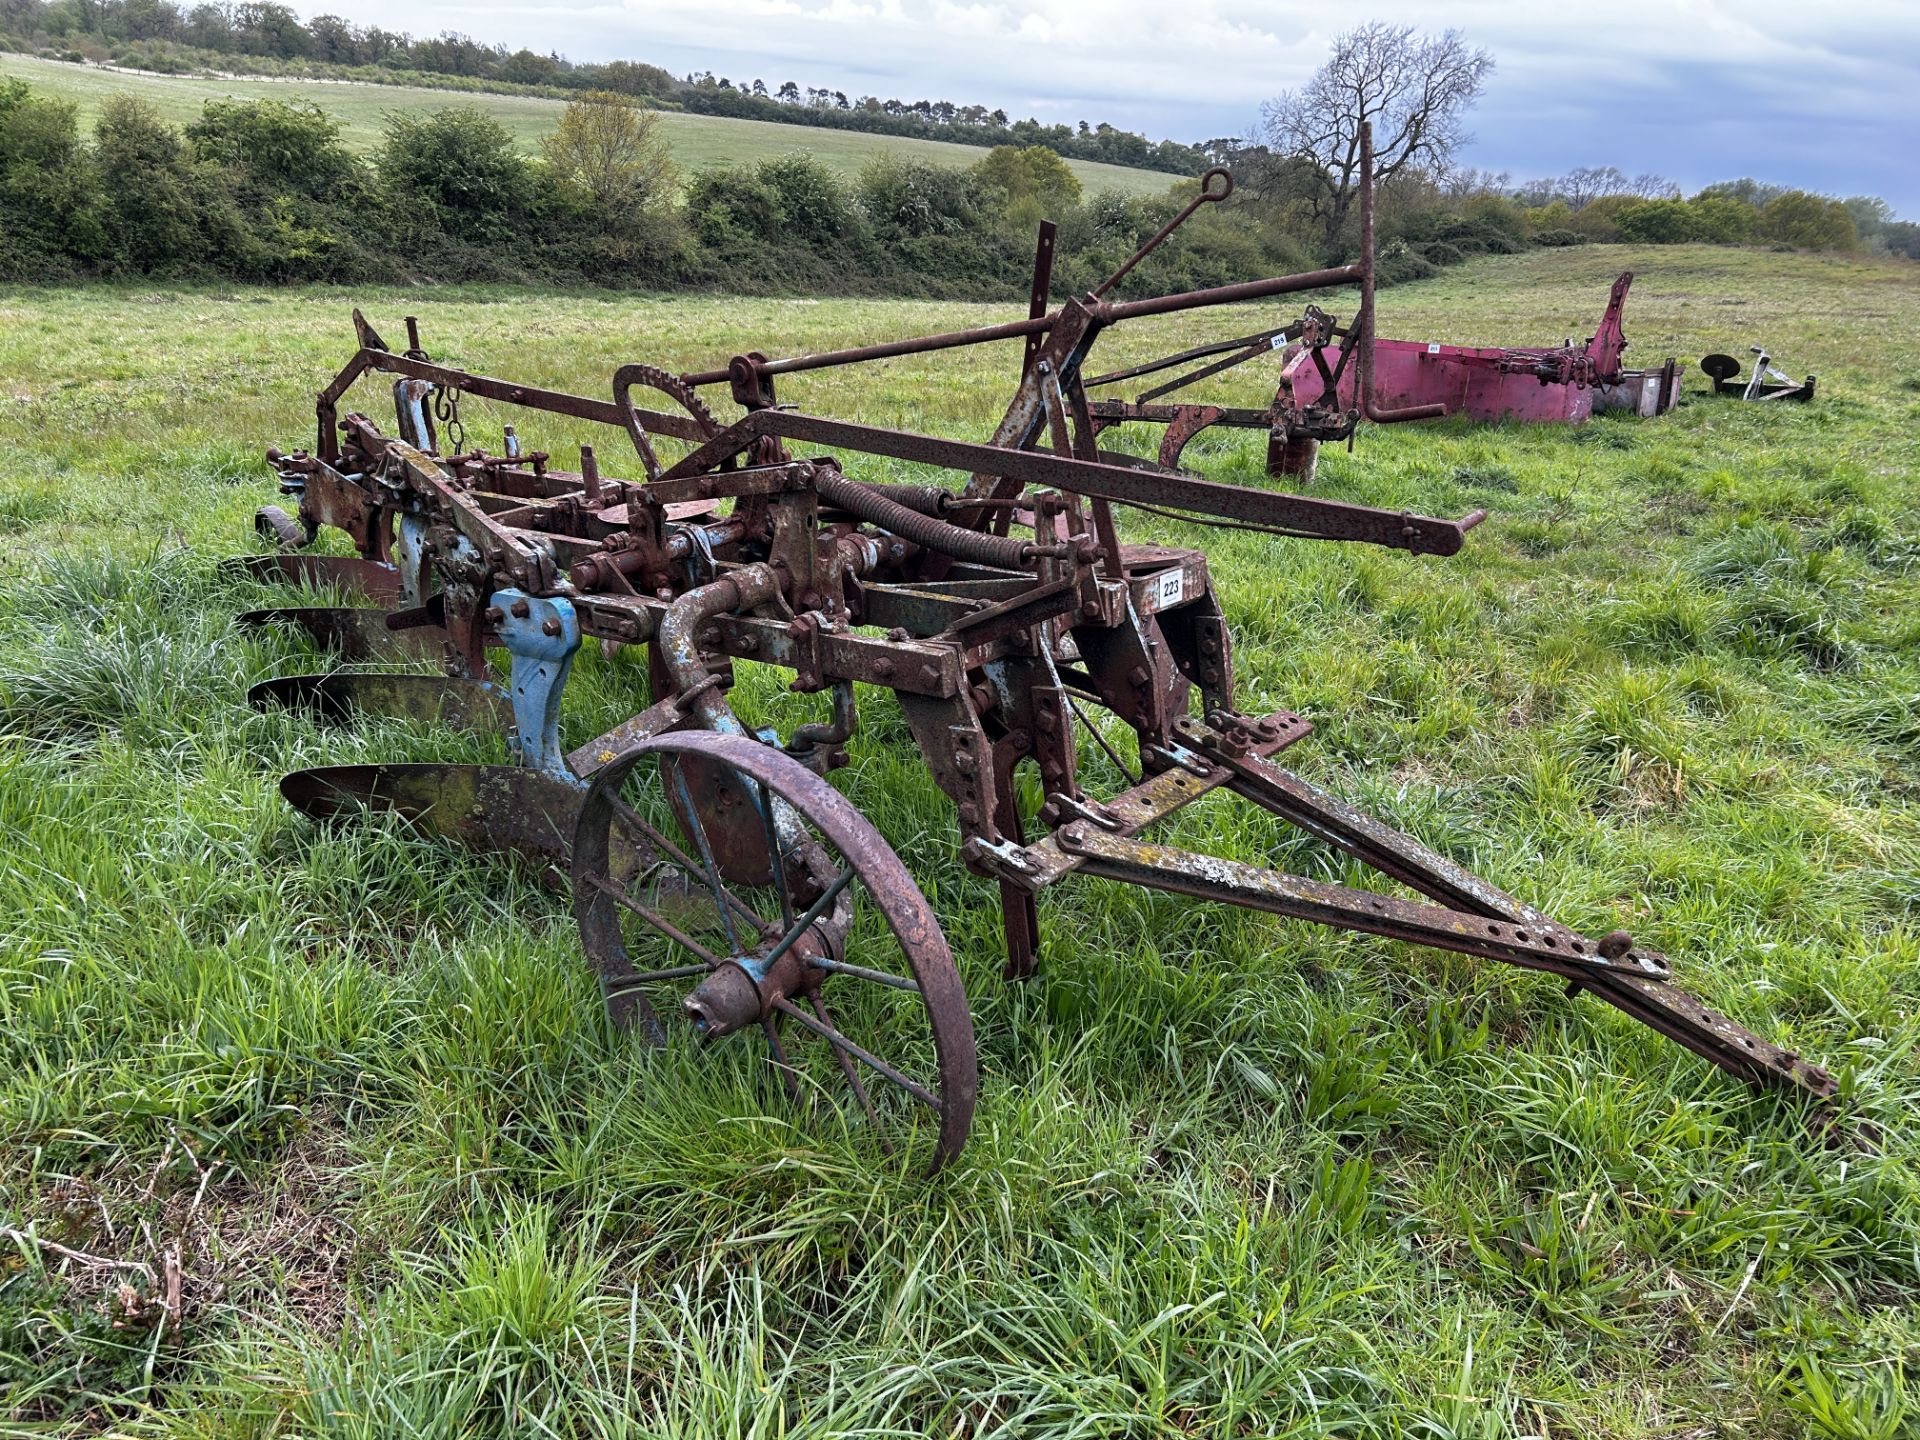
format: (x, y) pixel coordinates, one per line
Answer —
(697, 141)
(345, 1102)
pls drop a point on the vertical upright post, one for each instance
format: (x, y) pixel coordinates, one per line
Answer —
(1042, 288)
(1363, 328)
(1363, 331)
(590, 478)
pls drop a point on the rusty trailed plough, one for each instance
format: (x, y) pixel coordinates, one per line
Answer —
(712, 861)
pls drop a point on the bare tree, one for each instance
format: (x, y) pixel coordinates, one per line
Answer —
(1414, 90)
(1648, 186)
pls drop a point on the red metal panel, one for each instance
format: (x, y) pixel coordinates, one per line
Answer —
(1467, 380)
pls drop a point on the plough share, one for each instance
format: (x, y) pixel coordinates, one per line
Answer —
(712, 862)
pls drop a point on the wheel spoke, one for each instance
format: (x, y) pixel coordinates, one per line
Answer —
(861, 972)
(853, 1076)
(652, 977)
(1101, 740)
(840, 1042)
(789, 1072)
(814, 912)
(706, 855)
(777, 855)
(659, 922)
(676, 854)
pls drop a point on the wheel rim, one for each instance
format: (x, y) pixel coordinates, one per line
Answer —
(837, 963)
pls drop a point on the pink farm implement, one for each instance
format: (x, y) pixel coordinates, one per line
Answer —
(1320, 395)
(717, 878)
(1493, 383)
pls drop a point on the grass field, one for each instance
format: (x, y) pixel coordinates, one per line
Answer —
(697, 141)
(353, 1093)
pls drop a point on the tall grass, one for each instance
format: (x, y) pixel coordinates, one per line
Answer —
(332, 1120)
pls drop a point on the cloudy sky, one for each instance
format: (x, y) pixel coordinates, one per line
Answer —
(1821, 95)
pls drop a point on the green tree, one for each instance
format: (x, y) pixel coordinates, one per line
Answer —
(281, 148)
(1030, 177)
(453, 172)
(611, 149)
(815, 207)
(1902, 237)
(1808, 222)
(1721, 221)
(162, 213)
(1658, 222)
(1870, 213)
(49, 192)
(913, 198)
(631, 77)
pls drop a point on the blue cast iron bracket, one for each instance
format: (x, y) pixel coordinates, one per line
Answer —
(410, 559)
(542, 636)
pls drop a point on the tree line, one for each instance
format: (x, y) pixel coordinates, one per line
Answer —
(266, 37)
(267, 191)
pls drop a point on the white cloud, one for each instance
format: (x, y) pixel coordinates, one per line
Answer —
(1824, 96)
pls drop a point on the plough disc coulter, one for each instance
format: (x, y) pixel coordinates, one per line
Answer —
(720, 883)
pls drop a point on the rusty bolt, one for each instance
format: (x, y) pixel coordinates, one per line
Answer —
(969, 814)
(898, 634)
(1020, 740)
(1050, 812)
(494, 615)
(1614, 944)
(748, 643)
(1046, 722)
(521, 609)
(965, 763)
(550, 627)
(883, 669)
(1090, 610)
(1138, 676)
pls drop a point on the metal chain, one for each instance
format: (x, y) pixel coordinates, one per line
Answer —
(446, 409)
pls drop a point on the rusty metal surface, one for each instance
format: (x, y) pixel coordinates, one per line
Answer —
(372, 579)
(355, 633)
(341, 695)
(990, 588)
(1541, 945)
(759, 770)
(486, 807)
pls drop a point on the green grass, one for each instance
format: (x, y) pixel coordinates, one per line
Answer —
(1230, 1175)
(697, 141)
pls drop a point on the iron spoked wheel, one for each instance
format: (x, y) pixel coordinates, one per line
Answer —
(833, 960)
